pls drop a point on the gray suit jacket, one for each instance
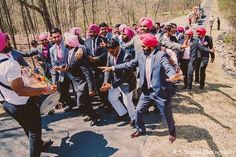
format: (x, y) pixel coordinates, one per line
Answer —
(80, 69)
(126, 79)
(160, 71)
(53, 54)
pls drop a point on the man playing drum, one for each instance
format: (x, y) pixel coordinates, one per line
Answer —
(19, 101)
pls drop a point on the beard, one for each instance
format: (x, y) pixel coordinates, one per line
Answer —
(7, 49)
(147, 52)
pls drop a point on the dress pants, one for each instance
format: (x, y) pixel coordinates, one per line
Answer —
(201, 66)
(83, 98)
(164, 106)
(191, 67)
(113, 97)
(99, 78)
(64, 88)
(184, 68)
(28, 116)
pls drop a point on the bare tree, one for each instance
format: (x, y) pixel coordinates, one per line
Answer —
(42, 9)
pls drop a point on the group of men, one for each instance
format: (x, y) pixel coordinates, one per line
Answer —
(120, 67)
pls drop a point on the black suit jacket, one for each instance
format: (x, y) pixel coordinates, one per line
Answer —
(209, 44)
(195, 46)
(81, 70)
(126, 80)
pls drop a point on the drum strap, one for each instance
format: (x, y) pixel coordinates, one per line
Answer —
(2, 84)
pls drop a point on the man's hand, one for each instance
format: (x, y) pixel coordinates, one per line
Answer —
(56, 68)
(50, 89)
(105, 87)
(93, 59)
(79, 54)
(105, 69)
(212, 60)
(175, 77)
(92, 93)
(64, 69)
(212, 50)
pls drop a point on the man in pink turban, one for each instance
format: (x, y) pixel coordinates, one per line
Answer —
(190, 57)
(71, 40)
(156, 77)
(202, 62)
(19, 102)
(127, 34)
(77, 31)
(97, 54)
(145, 24)
(80, 74)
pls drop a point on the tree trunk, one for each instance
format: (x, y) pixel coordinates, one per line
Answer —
(43, 10)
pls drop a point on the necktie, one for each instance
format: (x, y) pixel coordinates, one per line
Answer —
(59, 53)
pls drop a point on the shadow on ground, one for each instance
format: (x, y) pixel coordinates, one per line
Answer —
(83, 144)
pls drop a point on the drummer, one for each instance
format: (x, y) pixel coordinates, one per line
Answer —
(19, 101)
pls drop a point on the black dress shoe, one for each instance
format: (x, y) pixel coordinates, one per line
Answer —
(120, 118)
(46, 145)
(137, 134)
(132, 123)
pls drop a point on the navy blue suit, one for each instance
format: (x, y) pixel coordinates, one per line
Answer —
(160, 92)
(195, 46)
(101, 54)
(126, 80)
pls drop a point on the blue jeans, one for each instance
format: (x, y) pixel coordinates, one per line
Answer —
(163, 105)
(28, 116)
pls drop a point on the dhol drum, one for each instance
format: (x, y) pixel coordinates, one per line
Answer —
(45, 102)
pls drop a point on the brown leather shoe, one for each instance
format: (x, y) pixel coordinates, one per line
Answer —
(172, 138)
(137, 134)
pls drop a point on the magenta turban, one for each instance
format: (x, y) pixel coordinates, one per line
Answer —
(71, 40)
(122, 26)
(129, 32)
(148, 40)
(2, 41)
(43, 36)
(189, 32)
(180, 29)
(94, 27)
(75, 30)
(146, 21)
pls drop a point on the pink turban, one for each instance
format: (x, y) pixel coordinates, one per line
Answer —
(2, 41)
(94, 27)
(75, 30)
(146, 21)
(148, 40)
(71, 40)
(129, 32)
(122, 26)
(201, 30)
(180, 29)
(189, 32)
(43, 36)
